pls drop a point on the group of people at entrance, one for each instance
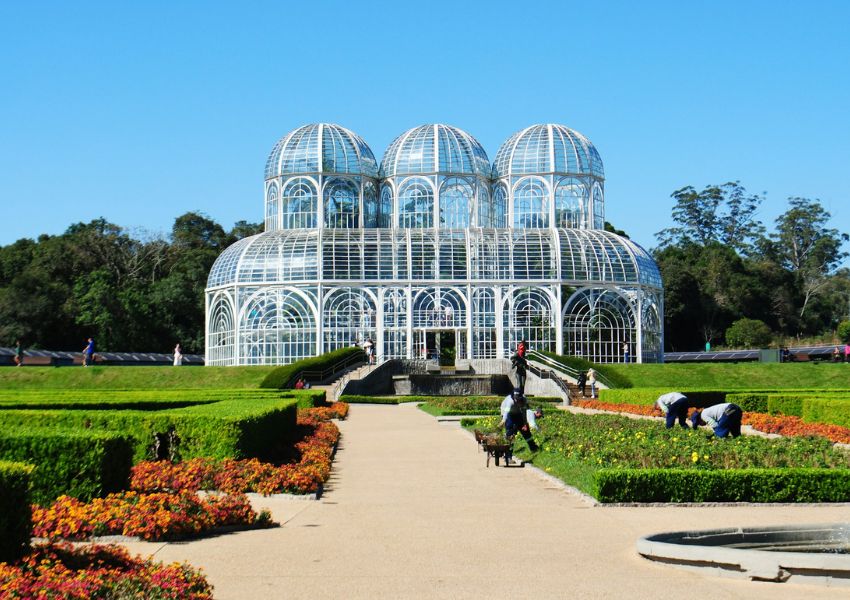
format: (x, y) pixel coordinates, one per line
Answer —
(724, 419)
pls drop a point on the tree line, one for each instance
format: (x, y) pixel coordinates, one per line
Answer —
(728, 279)
(131, 292)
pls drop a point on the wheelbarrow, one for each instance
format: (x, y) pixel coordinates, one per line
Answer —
(496, 447)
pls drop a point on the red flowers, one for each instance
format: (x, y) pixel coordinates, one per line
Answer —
(148, 516)
(60, 571)
(781, 424)
(251, 475)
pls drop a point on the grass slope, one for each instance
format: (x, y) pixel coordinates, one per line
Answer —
(737, 376)
(132, 378)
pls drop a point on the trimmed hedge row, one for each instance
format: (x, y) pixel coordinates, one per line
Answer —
(284, 377)
(616, 379)
(731, 485)
(119, 399)
(648, 396)
(239, 428)
(83, 464)
(15, 511)
(355, 399)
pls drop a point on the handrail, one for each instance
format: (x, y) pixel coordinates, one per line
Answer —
(566, 369)
(549, 374)
(315, 375)
(347, 376)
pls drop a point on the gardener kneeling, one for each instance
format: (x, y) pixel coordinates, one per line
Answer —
(725, 419)
(675, 407)
(514, 419)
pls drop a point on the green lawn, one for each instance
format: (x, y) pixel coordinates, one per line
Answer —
(737, 376)
(131, 378)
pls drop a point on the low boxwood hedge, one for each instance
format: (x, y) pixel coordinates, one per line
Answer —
(284, 377)
(15, 511)
(355, 399)
(239, 428)
(647, 396)
(79, 463)
(731, 485)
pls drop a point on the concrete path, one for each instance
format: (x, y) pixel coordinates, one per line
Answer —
(412, 512)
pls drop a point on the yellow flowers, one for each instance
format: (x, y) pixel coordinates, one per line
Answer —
(694, 456)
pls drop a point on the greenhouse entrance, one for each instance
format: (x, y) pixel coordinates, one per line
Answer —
(442, 345)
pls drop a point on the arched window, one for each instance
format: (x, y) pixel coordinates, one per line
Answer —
(597, 322)
(349, 318)
(415, 204)
(570, 200)
(528, 316)
(298, 204)
(485, 207)
(500, 206)
(276, 327)
(455, 201)
(439, 308)
(221, 334)
(341, 204)
(271, 207)
(385, 211)
(598, 207)
(531, 206)
(395, 323)
(370, 205)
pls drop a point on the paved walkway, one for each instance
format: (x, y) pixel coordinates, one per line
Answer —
(412, 512)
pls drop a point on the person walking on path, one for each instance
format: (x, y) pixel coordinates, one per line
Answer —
(178, 356)
(514, 419)
(846, 352)
(591, 380)
(675, 407)
(88, 353)
(19, 354)
(626, 352)
(582, 383)
(521, 365)
(369, 347)
(724, 419)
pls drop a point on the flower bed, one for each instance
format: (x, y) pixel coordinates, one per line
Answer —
(159, 516)
(60, 571)
(236, 476)
(782, 425)
(618, 459)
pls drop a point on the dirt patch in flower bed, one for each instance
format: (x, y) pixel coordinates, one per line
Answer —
(94, 571)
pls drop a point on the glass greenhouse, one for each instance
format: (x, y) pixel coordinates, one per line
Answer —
(434, 250)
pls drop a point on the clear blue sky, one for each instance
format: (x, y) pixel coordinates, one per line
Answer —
(140, 112)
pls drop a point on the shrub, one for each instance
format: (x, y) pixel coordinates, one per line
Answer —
(748, 333)
(284, 377)
(15, 512)
(835, 412)
(650, 395)
(83, 464)
(238, 428)
(616, 379)
(733, 485)
(843, 331)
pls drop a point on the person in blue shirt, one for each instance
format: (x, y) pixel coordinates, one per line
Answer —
(88, 353)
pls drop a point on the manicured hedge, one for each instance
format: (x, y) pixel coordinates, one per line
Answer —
(616, 379)
(15, 511)
(121, 399)
(445, 406)
(813, 407)
(79, 463)
(650, 395)
(240, 428)
(731, 485)
(285, 376)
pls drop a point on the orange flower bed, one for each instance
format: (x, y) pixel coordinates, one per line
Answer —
(251, 475)
(61, 571)
(635, 409)
(148, 516)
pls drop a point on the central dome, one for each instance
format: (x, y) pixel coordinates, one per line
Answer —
(321, 148)
(547, 149)
(435, 148)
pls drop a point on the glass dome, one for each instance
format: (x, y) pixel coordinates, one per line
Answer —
(321, 148)
(547, 148)
(435, 148)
